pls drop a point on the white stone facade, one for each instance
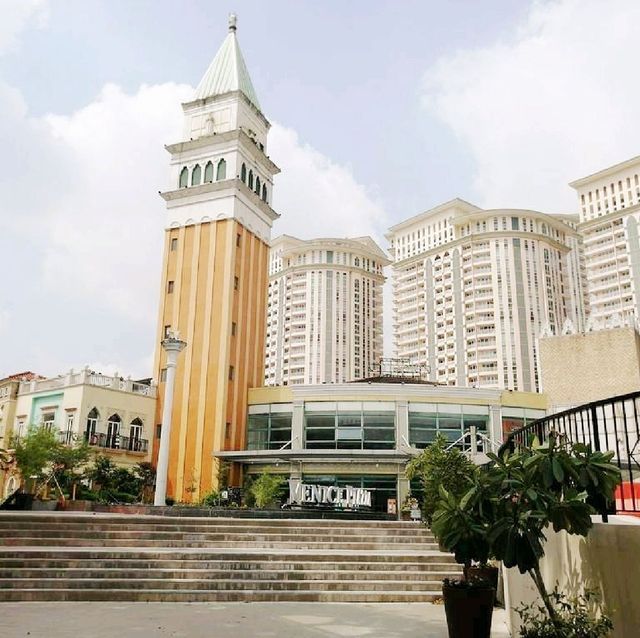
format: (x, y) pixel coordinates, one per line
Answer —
(609, 204)
(324, 317)
(474, 289)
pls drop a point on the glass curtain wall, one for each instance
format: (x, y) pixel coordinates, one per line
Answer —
(427, 420)
(269, 426)
(350, 425)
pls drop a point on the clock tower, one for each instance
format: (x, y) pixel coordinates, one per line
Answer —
(215, 269)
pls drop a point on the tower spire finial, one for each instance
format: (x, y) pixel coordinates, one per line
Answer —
(233, 20)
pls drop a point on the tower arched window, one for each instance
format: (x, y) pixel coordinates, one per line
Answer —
(208, 172)
(184, 178)
(221, 172)
(264, 192)
(196, 175)
(257, 185)
(243, 172)
(250, 182)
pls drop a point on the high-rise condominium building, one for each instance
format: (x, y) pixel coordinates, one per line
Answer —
(215, 269)
(473, 290)
(609, 204)
(324, 316)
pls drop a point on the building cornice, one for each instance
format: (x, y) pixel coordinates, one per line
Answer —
(456, 243)
(608, 218)
(454, 203)
(606, 172)
(216, 187)
(237, 135)
(333, 267)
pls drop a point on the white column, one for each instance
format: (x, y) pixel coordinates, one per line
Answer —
(172, 347)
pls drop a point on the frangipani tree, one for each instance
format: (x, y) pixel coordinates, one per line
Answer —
(511, 503)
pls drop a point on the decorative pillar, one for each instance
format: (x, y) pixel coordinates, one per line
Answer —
(173, 347)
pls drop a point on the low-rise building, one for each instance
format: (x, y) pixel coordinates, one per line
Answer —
(113, 414)
(8, 397)
(362, 434)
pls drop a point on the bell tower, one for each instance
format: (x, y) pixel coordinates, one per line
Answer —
(215, 269)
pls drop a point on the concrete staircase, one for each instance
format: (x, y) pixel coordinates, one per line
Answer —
(65, 556)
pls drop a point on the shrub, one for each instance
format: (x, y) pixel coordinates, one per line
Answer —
(211, 499)
(438, 466)
(266, 489)
(575, 620)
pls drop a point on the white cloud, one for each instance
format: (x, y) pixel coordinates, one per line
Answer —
(16, 15)
(555, 102)
(88, 221)
(106, 229)
(317, 197)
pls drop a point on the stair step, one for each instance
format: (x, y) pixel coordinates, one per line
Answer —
(155, 595)
(98, 557)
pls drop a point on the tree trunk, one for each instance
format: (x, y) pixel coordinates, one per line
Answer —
(536, 576)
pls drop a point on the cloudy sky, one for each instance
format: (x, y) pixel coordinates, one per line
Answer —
(380, 110)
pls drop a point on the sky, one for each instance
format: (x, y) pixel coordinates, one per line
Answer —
(380, 110)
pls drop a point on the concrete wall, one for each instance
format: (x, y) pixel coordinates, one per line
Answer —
(606, 561)
(577, 369)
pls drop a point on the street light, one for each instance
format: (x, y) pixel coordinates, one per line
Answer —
(173, 346)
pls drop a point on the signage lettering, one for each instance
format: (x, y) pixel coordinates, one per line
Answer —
(347, 497)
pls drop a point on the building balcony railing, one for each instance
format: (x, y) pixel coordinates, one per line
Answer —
(117, 442)
(88, 377)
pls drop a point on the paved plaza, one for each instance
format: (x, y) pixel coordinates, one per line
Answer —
(228, 620)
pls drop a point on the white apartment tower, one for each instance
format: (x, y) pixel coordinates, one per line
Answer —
(609, 204)
(473, 290)
(324, 316)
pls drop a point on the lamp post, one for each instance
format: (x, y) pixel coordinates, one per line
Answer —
(173, 347)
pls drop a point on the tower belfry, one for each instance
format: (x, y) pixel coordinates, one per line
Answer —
(214, 278)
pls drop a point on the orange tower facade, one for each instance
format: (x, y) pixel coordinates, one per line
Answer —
(215, 270)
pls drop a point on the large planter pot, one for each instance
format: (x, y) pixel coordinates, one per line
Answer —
(469, 610)
(488, 573)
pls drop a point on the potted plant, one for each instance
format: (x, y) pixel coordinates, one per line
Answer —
(512, 502)
(461, 526)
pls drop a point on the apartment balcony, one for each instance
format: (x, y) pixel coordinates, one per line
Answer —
(117, 443)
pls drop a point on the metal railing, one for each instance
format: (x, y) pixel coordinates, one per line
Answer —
(117, 442)
(608, 425)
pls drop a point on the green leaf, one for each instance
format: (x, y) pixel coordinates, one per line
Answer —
(558, 472)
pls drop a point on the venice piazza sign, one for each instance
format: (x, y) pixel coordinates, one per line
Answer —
(345, 497)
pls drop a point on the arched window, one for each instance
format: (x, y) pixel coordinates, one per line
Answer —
(196, 175)
(250, 182)
(356, 262)
(113, 431)
(221, 173)
(208, 172)
(264, 192)
(135, 435)
(257, 185)
(90, 435)
(243, 172)
(184, 178)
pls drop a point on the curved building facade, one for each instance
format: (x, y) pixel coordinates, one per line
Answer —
(474, 289)
(324, 315)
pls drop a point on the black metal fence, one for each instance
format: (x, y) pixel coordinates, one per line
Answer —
(609, 425)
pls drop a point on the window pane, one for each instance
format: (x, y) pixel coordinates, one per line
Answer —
(318, 420)
(349, 434)
(323, 434)
(258, 421)
(352, 419)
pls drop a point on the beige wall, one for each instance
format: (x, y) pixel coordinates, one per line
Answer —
(580, 368)
(607, 561)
